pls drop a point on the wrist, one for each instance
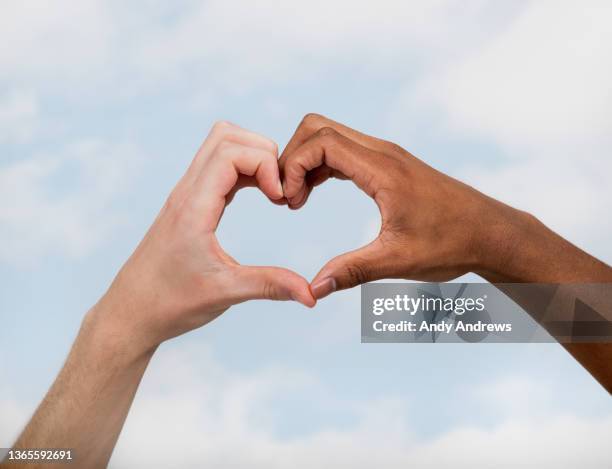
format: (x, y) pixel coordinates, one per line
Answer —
(520, 248)
(507, 244)
(111, 337)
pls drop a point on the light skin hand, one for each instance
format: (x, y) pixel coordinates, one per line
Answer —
(178, 279)
(433, 227)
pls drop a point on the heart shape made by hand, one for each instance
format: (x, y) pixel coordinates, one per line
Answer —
(336, 219)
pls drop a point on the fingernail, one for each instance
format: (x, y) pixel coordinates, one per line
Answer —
(323, 288)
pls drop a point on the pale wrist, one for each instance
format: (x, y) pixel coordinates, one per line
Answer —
(114, 338)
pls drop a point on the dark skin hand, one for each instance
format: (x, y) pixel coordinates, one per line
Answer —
(433, 227)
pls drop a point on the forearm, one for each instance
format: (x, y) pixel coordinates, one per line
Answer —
(433, 227)
(520, 249)
(178, 279)
(87, 405)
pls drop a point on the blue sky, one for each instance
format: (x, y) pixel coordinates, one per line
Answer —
(102, 106)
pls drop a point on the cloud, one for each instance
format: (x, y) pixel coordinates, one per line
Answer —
(538, 92)
(227, 46)
(190, 411)
(466, 58)
(63, 203)
(19, 112)
(235, 47)
(53, 43)
(544, 80)
(571, 195)
(14, 417)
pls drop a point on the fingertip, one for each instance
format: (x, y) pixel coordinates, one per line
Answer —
(298, 200)
(294, 286)
(274, 149)
(293, 206)
(311, 300)
(305, 297)
(300, 292)
(286, 187)
(269, 179)
(311, 304)
(275, 192)
(279, 190)
(281, 201)
(292, 187)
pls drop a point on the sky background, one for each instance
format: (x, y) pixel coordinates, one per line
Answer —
(104, 103)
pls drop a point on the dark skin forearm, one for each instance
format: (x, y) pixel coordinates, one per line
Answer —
(535, 254)
(529, 252)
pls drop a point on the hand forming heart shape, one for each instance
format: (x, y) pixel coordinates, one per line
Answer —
(429, 220)
(180, 278)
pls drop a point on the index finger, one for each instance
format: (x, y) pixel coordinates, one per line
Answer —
(330, 148)
(221, 173)
(312, 123)
(223, 131)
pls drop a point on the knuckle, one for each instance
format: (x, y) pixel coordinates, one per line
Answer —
(221, 126)
(185, 217)
(294, 173)
(268, 156)
(312, 119)
(357, 274)
(395, 148)
(224, 149)
(175, 199)
(269, 291)
(327, 133)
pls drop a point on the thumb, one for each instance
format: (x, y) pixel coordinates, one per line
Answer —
(349, 270)
(272, 283)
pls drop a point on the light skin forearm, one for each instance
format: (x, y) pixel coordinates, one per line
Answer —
(178, 279)
(94, 390)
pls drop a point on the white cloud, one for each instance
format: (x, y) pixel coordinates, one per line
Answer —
(230, 46)
(62, 203)
(515, 397)
(544, 80)
(19, 112)
(571, 195)
(235, 46)
(192, 412)
(43, 42)
(540, 91)
(13, 418)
